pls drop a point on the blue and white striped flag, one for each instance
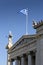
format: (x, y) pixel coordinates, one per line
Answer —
(24, 11)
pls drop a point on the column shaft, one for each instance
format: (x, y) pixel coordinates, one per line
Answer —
(29, 60)
(10, 63)
(17, 61)
(22, 61)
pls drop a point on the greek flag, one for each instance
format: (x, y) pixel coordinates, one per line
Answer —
(24, 11)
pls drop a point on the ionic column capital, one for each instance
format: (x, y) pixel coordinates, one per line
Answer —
(17, 58)
(29, 53)
(11, 60)
(23, 55)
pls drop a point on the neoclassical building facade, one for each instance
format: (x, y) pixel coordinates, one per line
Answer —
(28, 50)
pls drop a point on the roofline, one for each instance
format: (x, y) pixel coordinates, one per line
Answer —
(40, 23)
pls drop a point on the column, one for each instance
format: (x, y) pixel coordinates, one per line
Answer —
(29, 59)
(17, 61)
(38, 58)
(23, 62)
(9, 61)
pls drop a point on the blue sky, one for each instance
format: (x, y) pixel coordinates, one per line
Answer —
(12, 19)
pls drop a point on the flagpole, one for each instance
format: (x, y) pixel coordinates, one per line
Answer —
(25, 12)
(27, 24)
